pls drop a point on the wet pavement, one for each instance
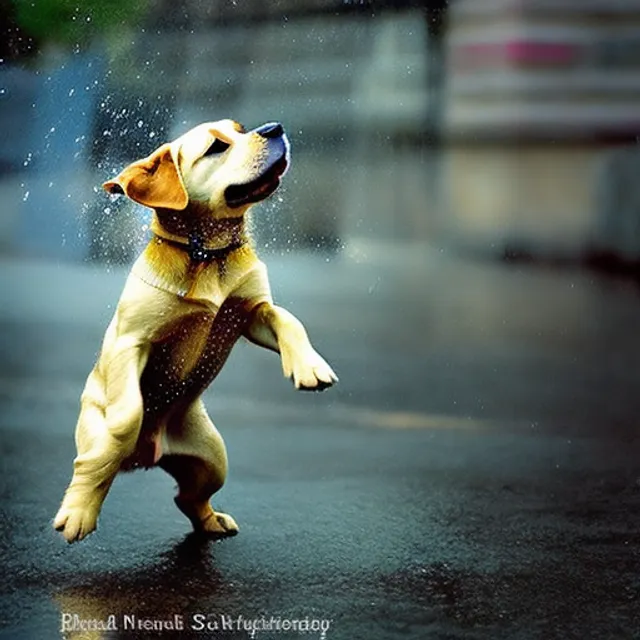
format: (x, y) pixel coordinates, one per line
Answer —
(474, 475)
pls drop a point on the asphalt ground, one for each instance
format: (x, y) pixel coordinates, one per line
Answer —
(473, 475)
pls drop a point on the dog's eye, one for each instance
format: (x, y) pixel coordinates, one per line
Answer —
(218, 146)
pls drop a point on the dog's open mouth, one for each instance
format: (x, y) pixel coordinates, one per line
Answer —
(262, 187)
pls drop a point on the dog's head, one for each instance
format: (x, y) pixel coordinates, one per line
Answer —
(217, 167)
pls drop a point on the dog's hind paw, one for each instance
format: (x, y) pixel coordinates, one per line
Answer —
(75, 523)
(219, 525)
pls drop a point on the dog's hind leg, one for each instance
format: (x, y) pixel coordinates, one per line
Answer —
(195, 455)
(107, 432)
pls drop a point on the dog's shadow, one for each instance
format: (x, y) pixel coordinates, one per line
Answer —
(184, 580)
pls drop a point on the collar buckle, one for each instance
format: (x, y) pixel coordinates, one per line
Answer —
(196, 250)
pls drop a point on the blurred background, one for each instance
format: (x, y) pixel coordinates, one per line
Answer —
(499, 127)
(460, 233)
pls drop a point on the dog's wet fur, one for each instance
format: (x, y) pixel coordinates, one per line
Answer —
(196, 289)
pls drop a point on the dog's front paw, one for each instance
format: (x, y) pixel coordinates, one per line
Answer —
(310, 372)
(75, 523)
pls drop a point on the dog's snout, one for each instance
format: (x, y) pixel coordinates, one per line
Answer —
(271, 130)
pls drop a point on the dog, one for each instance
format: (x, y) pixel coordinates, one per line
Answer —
(195, 290)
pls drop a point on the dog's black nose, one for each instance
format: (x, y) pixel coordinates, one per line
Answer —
(270, 130)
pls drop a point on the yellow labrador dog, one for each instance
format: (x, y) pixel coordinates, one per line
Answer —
(195, 290)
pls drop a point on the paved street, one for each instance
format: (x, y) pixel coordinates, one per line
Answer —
(475, 474)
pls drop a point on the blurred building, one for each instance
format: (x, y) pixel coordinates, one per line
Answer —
(354, 83)
(349, 80)
(541, 124)
(504, 126)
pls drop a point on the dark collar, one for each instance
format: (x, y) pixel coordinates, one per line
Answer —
(197, 252)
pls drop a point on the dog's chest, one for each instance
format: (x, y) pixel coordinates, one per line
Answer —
(191, 353)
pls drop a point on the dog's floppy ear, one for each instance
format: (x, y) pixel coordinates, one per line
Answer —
(154, 181)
